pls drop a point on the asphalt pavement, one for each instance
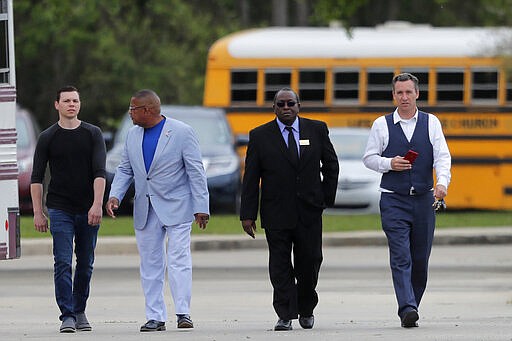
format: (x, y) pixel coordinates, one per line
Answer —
(469, 298)
(469, 295)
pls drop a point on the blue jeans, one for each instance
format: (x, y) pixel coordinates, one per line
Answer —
(72, 296)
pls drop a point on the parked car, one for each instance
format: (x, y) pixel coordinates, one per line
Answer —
(218, 149)
(28, 132)
(358, 186)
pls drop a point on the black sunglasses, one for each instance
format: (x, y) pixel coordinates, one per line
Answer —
(289, 103)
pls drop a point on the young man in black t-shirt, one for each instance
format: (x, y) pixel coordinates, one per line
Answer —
(75, 153)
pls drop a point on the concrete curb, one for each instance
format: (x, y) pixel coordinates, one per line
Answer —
(127, 245)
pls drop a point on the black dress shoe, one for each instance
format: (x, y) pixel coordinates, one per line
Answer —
(184, 321)
(152, 326)
(307, 322)
(409, 319)
(283, 325)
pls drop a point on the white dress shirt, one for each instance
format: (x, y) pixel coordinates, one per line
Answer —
(379, 138)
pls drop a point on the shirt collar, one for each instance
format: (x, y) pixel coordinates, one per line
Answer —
(282, 126)
(397, 118)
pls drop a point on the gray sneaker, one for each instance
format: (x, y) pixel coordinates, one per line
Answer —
(81, 323)
(68, 325)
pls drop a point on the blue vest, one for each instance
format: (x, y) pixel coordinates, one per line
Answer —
(420, 176)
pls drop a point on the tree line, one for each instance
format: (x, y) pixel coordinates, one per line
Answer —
(110, 49)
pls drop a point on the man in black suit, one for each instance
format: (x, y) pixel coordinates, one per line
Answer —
(298, 168)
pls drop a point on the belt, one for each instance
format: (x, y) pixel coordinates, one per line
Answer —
(412, 191)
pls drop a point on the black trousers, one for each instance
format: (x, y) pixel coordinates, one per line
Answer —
(295, 282)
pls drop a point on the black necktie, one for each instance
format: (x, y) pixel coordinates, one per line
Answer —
(292, 146)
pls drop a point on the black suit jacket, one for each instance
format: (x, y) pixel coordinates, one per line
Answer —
(288, 192)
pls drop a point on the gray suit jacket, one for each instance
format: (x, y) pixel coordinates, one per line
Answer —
(176, 182)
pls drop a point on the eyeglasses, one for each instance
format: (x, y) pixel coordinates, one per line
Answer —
(135, 108)
(290, 104)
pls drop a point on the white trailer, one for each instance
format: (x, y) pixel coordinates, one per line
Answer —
(9, 204)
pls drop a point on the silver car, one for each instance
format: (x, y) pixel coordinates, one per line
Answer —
(358, 186)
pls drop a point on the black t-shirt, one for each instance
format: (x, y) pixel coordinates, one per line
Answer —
(75, 158)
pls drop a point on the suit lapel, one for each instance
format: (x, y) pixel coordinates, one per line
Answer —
(277, 136)
(163, 140)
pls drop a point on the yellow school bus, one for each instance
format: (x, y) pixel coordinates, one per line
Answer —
(344, 78)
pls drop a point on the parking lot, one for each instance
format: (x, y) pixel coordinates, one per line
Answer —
(469, 297)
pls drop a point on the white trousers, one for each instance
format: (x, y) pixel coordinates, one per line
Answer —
(153, 241)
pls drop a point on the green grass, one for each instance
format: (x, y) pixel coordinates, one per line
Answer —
(230, 224)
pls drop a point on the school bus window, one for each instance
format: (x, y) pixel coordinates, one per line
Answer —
(346, 85)
(484, 84)
(450, 85)
(312, 85)
(275, 80)
(379, 84)
(243, 85)
(422, 75)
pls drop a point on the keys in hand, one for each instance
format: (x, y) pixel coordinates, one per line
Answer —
(439, 205)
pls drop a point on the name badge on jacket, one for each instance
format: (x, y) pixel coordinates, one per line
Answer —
(304, 142)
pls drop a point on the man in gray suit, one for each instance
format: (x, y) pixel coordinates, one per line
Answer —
(162, 156)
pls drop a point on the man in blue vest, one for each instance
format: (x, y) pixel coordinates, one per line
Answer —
(407, 189)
